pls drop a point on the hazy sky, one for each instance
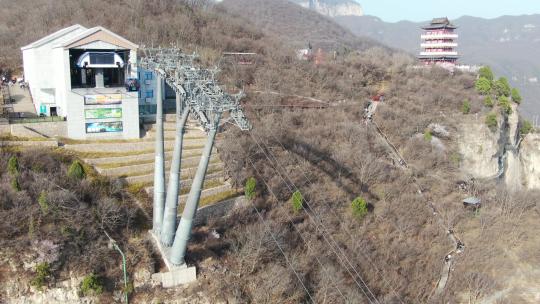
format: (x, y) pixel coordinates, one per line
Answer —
(422, 10)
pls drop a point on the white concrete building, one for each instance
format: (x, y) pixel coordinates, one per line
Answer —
(80, 74)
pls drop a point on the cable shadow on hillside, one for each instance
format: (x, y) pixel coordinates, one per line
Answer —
(328, 165)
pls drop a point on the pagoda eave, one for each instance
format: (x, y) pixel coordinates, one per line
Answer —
(438, 57)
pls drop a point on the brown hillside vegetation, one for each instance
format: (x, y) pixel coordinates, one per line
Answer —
(321, 251)
(57, 220)
(297, 25)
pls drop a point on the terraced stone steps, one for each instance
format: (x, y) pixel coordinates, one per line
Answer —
(187, 173)
(134, 160)
(130, 170)
(210, 188)
(170, 134)
(139, 158)
(143, 146)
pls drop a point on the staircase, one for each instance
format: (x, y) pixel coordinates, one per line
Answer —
(134, 161)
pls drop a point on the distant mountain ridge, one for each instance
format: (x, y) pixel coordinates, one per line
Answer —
(296, 25)
(332, 8)
(509, 44)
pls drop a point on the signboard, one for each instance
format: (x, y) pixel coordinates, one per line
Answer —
(103, 113)
(104, 127)
(108, 99)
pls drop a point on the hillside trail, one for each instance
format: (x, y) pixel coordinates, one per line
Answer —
(400, 162)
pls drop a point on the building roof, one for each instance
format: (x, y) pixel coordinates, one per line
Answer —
(98, 33)
(58, 35)
(472, 201)
(78, 35)
(437, 56)
(440, 23)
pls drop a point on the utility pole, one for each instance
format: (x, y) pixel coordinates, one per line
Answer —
(159, 170)
(113, 243)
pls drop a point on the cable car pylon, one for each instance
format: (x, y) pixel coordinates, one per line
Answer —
(198, 94)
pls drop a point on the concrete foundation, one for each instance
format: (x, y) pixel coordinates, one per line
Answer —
(176, 275)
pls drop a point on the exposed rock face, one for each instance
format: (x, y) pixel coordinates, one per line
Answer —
(530, 161)
(333, 8)
(479, 148)
(18, 291)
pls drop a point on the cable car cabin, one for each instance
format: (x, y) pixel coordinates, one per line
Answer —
(98, 68)
(241, 58)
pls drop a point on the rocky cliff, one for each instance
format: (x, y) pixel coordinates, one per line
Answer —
(501, 154)
(333, 8)
(530, 160)
(478, 145)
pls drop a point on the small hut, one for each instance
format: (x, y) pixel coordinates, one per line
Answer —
(472, 202)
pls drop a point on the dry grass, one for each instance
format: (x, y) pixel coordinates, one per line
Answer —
(8, 137)
(220, 197)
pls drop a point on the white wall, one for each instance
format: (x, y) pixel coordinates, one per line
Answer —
(48, 67)
(44, 69)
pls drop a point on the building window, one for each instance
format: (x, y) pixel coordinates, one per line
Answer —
(150, 94)
(148, 75)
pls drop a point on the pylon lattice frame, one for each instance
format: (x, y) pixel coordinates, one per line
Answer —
(197, 92)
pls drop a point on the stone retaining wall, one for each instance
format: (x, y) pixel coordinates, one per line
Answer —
(41, 144)
(206, 213)
(32, 130)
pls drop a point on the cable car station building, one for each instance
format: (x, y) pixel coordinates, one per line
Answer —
(81, 74)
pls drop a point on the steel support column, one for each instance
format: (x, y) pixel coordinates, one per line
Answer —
(171, 202)
(183, 232)
(159, 167)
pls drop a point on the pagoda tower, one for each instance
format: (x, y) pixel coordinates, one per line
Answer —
(439, 43)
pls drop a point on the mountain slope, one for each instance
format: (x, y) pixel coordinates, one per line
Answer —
(508, 44)
(333, 8)
(295, 24)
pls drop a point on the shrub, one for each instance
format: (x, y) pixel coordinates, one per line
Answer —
(526, 128)
(13, 165)
(466, 107)
(488, 102)
(491, 121)
(297, 201)
(455, 158)
(359, 207)
(504, 103)
(249, 188)
(91, 285)
(43, 271)
(485, 72)
(427, 135)
(43, 202)
(483, 86)
(76, 170)
(15, 184)
(502, 87)
(516, 97)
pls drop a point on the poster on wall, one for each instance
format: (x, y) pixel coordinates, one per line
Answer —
(108, 99)
(104, 127)
(103, 113)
